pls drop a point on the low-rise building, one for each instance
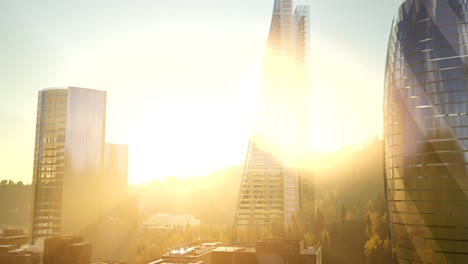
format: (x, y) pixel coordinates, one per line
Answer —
(14, 237)
(110, 262)
(198, 252)
(269, 251)
(11, 254)
(67, 249)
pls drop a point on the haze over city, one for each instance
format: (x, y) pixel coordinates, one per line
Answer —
(207, 132)
(182, 76)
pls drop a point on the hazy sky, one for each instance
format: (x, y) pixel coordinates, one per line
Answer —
(181, 75)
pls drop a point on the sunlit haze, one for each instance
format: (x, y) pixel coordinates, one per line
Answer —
(182, 76)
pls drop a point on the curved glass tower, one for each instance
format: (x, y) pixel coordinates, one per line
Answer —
(426, 132)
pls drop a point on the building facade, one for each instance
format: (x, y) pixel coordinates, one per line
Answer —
(270, 191)
(306, 186)
(426, 132)
(67, 249)
(69, 149)
(264, 252)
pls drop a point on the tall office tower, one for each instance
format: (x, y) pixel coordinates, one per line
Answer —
(426, 132)
(270, 189)
(306, 179)
(68, 156)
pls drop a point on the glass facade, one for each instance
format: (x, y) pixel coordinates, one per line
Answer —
(48, 168)
(270, 189)
(426, 132)
(306, 184)
(68, 156)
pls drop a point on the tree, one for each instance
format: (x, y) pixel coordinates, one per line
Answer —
(253, 232)
(309, 240)
(319, 222)
(19, 183)
(266, 232)
(325, 237)
(295, 230)
(325, 242)
(344, 212)
(380, 203)
(277, 229)
(377, 247)
(4, 182)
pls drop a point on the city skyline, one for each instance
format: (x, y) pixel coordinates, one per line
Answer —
(152, 76)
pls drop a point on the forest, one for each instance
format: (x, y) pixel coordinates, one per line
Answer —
(16, 204)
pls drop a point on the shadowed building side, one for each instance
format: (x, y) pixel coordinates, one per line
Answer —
(84, 152)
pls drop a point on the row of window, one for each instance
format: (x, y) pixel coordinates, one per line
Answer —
(426, 162)
(429, 77)
(434, 31)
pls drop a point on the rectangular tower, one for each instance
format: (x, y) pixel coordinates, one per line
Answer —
(306, 179)
(69, 148)
(273, 174)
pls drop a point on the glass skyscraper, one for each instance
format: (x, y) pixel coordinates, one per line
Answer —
(426, 131)
(274, 185)
(68, 155)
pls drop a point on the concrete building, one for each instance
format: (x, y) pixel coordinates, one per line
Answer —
(265, 252)
(276, 184)
(268, 252)
(11, 254)
(426, 132)
(192, 253)
(110, 262)
(70, 250)
(13, 237)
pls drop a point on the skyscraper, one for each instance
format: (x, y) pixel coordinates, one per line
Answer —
(273, 182)
(306, 205)
(426, 132)
(69, 149)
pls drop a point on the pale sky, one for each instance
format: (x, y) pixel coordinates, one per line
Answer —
(181, 76)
